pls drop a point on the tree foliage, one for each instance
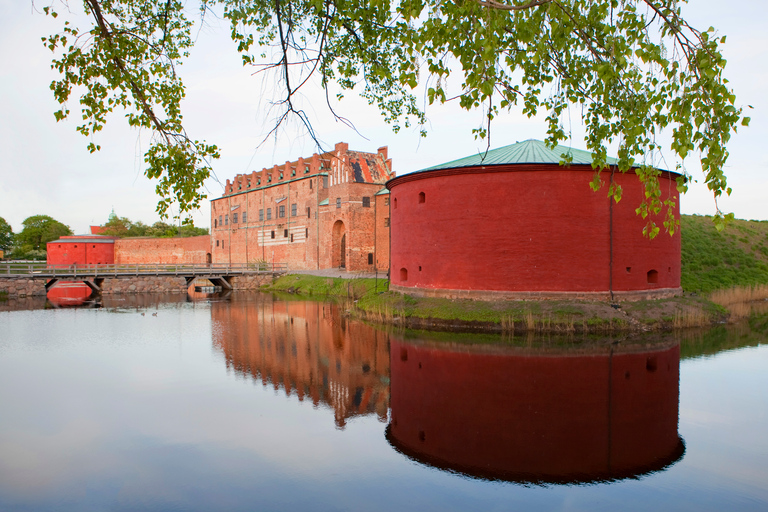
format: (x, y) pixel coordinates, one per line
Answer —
(124, 227)
(6, 235)
(38, 230)
(634, 70)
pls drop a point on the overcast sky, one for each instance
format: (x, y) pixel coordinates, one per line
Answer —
(46, 169)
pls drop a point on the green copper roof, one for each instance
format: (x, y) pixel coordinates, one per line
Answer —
(526, 152)
(324, 202)
(382, 192)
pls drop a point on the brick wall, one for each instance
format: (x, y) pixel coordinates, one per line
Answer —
(287, 220)
(190, 250)
(526, 228)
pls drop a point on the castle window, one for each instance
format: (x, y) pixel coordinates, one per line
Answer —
(338, 202)
(234, 218)
(653, 277)
(422, 197)
(325, 181)
(310, 184)
(245, 216)
(294, 209)
(366, 202)
(306, 232)
(386, 222)
(249, 183)
(281, 211)
(220, 221)
(386, 201)
(215, 223)
(273, 234)
(306, 170)
(285, 233)
(370, 258)
(269, 213)
(629, 270)
(308, 212)
(217, 243)
(291, 237)
(261, 214)
(226, 220)
(395, 203)
(93, 246)
(293, 173)
(258, 181)
(403, 275)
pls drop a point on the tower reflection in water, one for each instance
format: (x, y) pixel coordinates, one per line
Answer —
(536, 417)
(307, 349)
(547, 415)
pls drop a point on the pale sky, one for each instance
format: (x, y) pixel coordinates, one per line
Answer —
(45, 167)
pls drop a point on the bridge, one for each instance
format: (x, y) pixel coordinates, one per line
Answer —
(93, 275)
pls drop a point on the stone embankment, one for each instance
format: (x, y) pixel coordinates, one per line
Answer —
(135, 284)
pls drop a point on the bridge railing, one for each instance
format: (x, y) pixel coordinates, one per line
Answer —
(42, 269)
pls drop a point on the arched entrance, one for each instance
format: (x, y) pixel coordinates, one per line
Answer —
(339, 248)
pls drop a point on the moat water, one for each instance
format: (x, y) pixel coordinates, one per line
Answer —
(255, 403)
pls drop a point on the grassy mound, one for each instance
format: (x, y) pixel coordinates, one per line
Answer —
(712, 260)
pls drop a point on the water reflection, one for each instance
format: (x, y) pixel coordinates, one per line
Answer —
(307, 349)
(535, 416)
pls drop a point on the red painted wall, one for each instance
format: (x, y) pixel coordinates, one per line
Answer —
(524, 228)
(189, 250)
(533, 417)
(89, 250)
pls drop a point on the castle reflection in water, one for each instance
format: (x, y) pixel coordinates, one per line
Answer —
(558, 414)
(307, 349)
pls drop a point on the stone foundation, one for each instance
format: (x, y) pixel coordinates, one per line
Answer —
(134, 284)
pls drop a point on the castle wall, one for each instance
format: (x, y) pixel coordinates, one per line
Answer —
(189, 250)
(525, 228)
(74, 250)
(301, 212)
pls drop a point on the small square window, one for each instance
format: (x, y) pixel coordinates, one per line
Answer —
(366, 202)
(285, 233)
(386, 201)
(386, 222)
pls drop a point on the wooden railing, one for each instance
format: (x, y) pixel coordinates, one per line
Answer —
(43, 270)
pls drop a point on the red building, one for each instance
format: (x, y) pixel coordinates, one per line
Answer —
(325, 211)
(82, 250)
(517, 224)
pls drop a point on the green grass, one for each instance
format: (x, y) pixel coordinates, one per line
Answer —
(315, 286)
(3, 296)
(712, 260)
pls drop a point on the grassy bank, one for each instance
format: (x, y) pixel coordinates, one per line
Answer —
(712, 260)
(368, 299)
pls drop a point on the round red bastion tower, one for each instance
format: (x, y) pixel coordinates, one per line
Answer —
(516, 224)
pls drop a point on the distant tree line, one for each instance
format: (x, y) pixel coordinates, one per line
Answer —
(38, 230)
(124, 227)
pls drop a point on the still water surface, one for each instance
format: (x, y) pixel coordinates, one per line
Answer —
(255, 403)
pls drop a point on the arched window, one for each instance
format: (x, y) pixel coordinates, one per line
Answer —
(653, 277)
(403, 274)
(422, 197)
